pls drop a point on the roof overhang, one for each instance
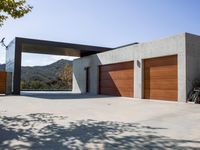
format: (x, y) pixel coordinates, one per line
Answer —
(57, 48)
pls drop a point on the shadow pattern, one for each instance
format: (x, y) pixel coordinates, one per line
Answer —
(62, 96)
(44, 131)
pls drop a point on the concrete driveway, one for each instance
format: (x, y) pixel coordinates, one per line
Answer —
(72, 121)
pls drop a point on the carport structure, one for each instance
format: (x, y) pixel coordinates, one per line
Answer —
(20, 45)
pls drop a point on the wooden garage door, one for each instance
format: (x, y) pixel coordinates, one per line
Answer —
(3, 82)
(116, 79)
(160, 78)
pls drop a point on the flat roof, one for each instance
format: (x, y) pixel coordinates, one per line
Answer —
(57, 48)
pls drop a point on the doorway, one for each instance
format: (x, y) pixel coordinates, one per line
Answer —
(87, 70)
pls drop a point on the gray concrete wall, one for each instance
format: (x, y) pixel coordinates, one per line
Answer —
(193, 60)
(174, 45)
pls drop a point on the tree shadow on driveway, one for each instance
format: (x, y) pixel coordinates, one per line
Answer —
(48, 95)
(44, 131)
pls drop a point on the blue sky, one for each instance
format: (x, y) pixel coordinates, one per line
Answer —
(108, 23)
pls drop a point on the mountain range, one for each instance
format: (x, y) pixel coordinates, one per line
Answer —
(45, 74)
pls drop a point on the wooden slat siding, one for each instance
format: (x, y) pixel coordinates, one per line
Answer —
(117, 75)
(117, 66)
(116, 79)
(3, 76)
(118, 83)
(160, 78)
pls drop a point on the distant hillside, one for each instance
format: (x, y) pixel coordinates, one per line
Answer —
(47, 73)
(56, 76)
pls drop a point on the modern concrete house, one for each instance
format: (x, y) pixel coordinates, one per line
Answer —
(164, 69)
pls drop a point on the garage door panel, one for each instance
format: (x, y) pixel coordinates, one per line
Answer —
(121, 89)
(126, 93)
(116, 83)
(130, 88)
(2, 90)
(116, 79)
(167, 84)
(2, 77)
(125, 74)
(3, 74)
(161, 94)
(160, 78)
(169, 70)
(109, 91)
(2, 84)
(115, 67)
(162, 61)
(165, 72)
(117, 92)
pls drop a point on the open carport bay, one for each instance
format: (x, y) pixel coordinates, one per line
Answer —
(73, 121)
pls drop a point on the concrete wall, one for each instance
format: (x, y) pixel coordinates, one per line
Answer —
(174, 45)
(193, 60)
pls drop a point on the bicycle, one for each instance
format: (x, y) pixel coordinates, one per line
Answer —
(194, 96)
